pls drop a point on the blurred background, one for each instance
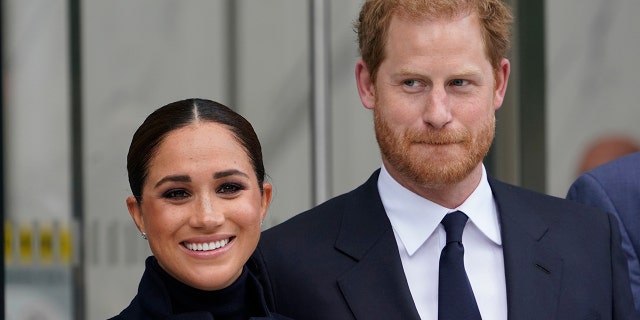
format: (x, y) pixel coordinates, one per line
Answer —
(78, 77)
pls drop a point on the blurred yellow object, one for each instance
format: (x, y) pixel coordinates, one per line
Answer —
(8, 243)
(25, 243)
(45, 244)
(65, 241)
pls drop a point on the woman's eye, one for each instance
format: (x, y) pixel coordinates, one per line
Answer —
(229, 188)
(176, 194)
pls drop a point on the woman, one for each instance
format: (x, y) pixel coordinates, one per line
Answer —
(199, 197)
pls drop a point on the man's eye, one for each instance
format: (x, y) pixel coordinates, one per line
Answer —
(229, 188)
(459, 82)
(176, 194)
(410, 83)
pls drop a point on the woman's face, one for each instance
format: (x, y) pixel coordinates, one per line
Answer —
(201, 206)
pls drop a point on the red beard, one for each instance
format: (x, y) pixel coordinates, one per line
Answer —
(434, 158)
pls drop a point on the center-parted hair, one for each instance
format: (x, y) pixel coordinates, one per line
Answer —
(179, 114)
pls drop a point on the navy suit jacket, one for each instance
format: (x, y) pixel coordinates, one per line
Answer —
(615, 187)
(340, 260)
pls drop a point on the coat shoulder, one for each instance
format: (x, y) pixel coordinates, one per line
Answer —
(323, 221)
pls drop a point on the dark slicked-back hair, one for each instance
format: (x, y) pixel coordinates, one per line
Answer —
(180, 114)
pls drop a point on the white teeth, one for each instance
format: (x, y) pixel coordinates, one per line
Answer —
(207, 246)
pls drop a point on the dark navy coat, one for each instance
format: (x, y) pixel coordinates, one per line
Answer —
(340, 260)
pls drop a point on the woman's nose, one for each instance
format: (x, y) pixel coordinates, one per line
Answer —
(207, 213)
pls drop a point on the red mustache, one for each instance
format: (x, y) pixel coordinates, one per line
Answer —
(438, 137)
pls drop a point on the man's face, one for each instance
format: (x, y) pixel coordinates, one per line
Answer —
(434, 101)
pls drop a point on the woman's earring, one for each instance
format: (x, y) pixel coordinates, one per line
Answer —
(143, 235)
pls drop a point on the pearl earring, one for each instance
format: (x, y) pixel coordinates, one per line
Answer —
(143, 235)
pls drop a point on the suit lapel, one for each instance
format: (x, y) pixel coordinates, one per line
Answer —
(533, 270)
(376, 287)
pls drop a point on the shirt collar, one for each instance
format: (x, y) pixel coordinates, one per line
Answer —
(415, 218)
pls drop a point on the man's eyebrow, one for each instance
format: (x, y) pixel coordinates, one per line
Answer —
(465, 71)
(407, 71)
(174, 178)
(470, 71)
(226, 173)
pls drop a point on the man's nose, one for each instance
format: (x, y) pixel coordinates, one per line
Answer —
(437, 112)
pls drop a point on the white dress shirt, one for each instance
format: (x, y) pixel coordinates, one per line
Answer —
(421, 237)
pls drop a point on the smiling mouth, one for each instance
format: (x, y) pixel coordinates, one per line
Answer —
(206, 246)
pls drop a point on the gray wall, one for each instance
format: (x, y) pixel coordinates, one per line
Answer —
(592, 65)
(37, 147)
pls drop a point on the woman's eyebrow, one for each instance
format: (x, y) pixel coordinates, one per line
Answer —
(226, 173)
(173, 178)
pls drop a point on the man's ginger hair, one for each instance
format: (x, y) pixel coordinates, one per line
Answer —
(373, 24)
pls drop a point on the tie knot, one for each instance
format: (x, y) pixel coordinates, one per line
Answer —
(454, 223)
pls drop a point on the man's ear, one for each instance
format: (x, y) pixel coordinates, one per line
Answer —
(366, 88)
(502, 79)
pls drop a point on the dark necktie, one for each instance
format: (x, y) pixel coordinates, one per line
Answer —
(455, 296)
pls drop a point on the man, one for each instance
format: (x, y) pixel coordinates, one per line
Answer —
(605, 149)
(615, 187)
(433, 72)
